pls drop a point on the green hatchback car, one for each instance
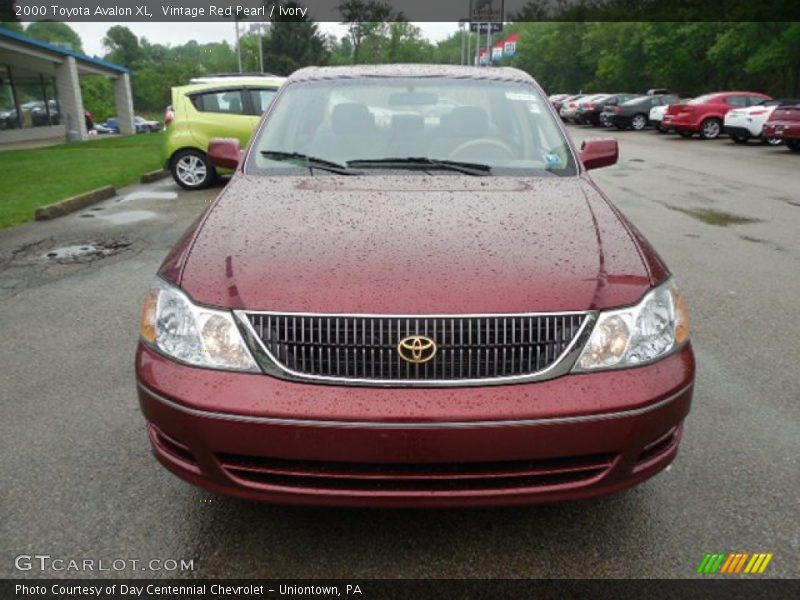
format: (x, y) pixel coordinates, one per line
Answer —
(228, 107)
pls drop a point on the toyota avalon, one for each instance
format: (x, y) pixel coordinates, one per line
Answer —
(412, 293)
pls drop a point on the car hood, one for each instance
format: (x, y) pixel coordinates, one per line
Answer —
(412, 245)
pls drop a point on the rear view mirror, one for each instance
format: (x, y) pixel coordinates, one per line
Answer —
(599, 153)
(225, 152)
(413, 99)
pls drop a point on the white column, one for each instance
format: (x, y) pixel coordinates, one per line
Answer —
(70, 99)
(124, 104)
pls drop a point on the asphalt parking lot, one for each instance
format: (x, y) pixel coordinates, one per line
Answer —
(79, 481)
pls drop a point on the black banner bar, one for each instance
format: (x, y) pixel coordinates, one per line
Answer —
(409, 10)
(706, 587)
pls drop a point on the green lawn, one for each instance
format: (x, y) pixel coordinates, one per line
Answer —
(33, 178)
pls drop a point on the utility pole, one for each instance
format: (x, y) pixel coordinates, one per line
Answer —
(238, 46)
(488, 44)
(464, 51)
(260, 28)
(469, 42)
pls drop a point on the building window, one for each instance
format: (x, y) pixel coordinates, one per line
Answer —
(35, 111)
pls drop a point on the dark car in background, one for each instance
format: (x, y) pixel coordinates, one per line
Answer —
(635, 113)
(111, 125)
(591, 112)
(706, 114)
(590, 100)
(298, 346)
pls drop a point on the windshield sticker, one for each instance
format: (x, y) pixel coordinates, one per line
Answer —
(522, 96)
(551, 159)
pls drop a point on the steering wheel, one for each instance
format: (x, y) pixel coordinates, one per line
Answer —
(488, 143)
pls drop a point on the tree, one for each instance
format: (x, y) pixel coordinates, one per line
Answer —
(341, 51)
(449, 50)
(294, 42)
(8, 17)
(364, 19)
(123, 46)
(57, 33)
(406, 44)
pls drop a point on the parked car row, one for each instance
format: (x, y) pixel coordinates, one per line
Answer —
(741, 115)
(111, 125)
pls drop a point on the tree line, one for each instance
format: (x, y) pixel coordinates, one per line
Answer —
(689, 58)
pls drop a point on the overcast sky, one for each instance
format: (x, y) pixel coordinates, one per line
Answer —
(175, 34)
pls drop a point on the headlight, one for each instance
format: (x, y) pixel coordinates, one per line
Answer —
(193, 334)
(639, 334)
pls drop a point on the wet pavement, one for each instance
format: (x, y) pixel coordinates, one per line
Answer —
(79, 481)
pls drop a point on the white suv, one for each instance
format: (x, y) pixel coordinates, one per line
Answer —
(743, 124)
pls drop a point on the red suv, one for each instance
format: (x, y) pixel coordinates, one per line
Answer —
(411, 293)
(784, 124)
(706, 114)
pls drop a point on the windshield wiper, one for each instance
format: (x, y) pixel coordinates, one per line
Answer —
(312, 162)
(467, 168)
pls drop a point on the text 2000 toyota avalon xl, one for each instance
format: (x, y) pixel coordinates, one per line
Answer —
(412, 294)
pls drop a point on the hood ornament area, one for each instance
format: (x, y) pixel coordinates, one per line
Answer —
(416, 349)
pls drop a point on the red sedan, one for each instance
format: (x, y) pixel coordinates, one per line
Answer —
(706, 114)
(411, 293)
(784, 124)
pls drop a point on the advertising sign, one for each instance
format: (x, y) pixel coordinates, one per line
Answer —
(486, 13)
(510, 45)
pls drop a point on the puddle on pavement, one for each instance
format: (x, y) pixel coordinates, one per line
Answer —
(148, 195)
(81, 252)
(714, 217)
(127, 217)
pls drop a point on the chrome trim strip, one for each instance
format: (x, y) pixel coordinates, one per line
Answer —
(271, 366)
(414, 425)
(414, 316)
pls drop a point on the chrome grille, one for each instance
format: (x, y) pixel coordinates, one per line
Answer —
(365, 347)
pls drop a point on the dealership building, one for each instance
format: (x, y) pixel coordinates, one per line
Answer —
(40, 93)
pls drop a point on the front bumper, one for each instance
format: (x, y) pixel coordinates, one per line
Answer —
(261, 438)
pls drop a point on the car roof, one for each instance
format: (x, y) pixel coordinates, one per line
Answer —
(231, 82)
(409, 70)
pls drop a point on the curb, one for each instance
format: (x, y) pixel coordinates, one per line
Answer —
(152, 176)
(68, 205)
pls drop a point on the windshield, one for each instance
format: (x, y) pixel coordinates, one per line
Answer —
(503, 128)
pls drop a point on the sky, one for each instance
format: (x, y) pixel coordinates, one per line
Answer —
(175, 34)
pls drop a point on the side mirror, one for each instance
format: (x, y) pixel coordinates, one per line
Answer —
(225, 152)
(599, 153)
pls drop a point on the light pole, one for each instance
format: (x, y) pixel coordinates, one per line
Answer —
(260, 28)
(238, 47)
(464, 52)
(469, 42)
(488, 44)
